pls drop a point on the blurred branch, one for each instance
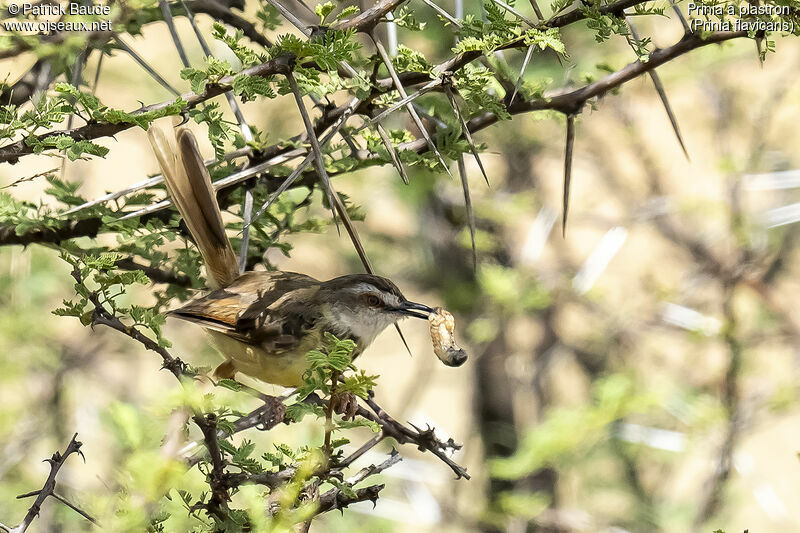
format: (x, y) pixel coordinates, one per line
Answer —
(218, 503)
(710, 503)
(49, 487)
(69, 229)
(646, 513)
(36, 79)
(93, 39)
(219, 11)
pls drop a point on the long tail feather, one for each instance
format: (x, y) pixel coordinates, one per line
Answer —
(189, 185)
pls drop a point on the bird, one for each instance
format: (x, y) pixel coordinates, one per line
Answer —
(265, 322)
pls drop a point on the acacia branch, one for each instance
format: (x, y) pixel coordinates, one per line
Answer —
(567, 102)
(93, 130)
(156, 275)
(221, 12)
(100, 315)
(364, 22)
(217, 504)
(49, 487)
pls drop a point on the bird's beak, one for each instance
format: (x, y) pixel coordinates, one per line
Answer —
(414, 309)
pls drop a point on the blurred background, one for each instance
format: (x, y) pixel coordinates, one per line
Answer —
(637, 374)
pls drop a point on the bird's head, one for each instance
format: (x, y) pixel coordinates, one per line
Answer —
(363, 305)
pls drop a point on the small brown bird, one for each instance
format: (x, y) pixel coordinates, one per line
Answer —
(264, 323)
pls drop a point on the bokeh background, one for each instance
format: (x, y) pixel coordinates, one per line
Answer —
(637, 374)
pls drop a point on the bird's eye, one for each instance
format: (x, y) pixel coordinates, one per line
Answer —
(371, 300)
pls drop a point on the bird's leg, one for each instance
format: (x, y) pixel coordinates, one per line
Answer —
(226, 370)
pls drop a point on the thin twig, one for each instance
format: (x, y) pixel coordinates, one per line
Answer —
(367, 446)
(56, 462)
(66, 502)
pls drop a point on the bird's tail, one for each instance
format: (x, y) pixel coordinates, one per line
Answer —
(189, 185)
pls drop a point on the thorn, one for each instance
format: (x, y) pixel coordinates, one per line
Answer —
(97, 72)
(466, 132)
(447, 16)
(291, 17)
(165, 11)
(142, 63)
(403, 338)
(567, 170)
(662, 94)
(284, 185)
(516, 13)
(296, 172)
(387, 142)
(470, 214)
(686, 29)
(247, 213)
(535, 6)
(521, 74)
(411, 111)
(758, 50)
(397, 105)
(316, 150)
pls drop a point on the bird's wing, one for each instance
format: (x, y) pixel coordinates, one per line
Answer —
(257, 308)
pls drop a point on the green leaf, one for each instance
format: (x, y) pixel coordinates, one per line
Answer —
(248, 87)
(299, 410)
(408, 60)
(246, 55)
(230, 384)
(323, 10)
